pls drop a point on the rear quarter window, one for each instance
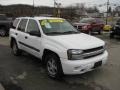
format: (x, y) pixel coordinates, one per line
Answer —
(15, 23)
(22, 25)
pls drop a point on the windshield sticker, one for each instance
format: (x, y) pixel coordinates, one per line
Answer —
(47, 25)
(56, 20)
(43, 22)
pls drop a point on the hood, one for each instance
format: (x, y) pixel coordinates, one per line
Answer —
(77, 41)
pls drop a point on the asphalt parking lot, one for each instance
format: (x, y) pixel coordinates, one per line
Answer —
(26, 72)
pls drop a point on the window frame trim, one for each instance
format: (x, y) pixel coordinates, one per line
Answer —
(19, 23)
(16, 24)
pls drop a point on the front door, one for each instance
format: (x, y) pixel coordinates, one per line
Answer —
(33, 39)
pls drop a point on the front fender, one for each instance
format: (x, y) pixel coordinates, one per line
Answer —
(58, 49)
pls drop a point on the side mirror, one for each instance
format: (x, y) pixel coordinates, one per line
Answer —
(35, 33)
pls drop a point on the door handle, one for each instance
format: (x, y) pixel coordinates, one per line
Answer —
(26, 37)
(16, 33)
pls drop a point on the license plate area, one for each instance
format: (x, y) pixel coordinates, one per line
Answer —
(97, 64)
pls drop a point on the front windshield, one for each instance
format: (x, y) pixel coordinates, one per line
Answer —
(57, 26)
(87, 20)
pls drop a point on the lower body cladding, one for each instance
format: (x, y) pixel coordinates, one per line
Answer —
(81, 66)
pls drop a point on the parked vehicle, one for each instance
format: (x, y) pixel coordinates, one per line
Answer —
(5, 25)
(115, 30)
(89, 25)
(107, 28)
(62, 48)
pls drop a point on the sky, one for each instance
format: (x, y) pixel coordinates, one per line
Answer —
(50, 2)
(63, 2)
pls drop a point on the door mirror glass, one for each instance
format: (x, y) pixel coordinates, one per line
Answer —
(35, 33)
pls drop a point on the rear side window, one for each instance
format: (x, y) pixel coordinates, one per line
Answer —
(15, 23)
(22, 25)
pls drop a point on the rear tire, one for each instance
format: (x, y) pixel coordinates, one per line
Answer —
(2, 32)
(16, 51)
(53, 66)
(112, 35)
(100, 32)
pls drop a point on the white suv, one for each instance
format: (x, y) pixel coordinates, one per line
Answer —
(62, 48)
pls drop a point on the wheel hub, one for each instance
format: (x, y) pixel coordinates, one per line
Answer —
(52, 67)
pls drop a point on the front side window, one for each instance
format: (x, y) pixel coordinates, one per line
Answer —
(22, 25)
(57, 26)
(32, 26)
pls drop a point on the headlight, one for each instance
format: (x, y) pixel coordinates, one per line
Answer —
(74, 54)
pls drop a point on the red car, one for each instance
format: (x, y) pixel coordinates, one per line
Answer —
(89, 25)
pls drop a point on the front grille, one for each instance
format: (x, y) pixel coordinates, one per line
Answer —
(89, 53)
(93, 49)
(92, 55)
(79, 27)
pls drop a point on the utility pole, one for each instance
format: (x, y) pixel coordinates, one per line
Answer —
(108, 3)
(54, 12)
(58, 9)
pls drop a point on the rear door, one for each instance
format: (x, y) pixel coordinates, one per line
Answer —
(96, 25)
(13, 30)
(21, 34)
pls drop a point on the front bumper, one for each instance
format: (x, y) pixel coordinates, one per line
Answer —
(82, 66)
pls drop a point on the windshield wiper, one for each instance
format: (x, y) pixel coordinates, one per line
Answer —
(55, 33)
(71, 32)
(61, 33)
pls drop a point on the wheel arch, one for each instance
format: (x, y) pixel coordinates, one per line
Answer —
(46, 52)
(11, 41)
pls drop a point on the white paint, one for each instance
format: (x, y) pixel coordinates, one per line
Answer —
(60, 44)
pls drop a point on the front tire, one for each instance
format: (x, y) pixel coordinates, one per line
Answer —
(53, 66)
(100, 32)
(16, 51)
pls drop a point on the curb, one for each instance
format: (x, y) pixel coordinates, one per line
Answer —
(1, 87)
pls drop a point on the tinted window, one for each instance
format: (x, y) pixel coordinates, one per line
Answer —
(22, 25)
(99, 20)
(3, 17)
(87, 20)
(32, 26)
(15, 23)
(118, 22)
